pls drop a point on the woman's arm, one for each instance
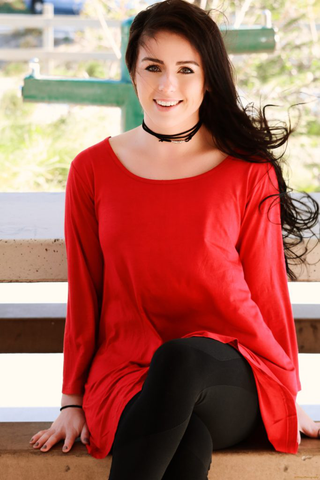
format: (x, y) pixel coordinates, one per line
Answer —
(85, 274)
(261, 253)
(260, 247)
(85, 285)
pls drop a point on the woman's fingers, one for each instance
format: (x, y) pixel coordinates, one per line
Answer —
(299, 437)
(45, 439)
(35, 437)
(52, 440)
(42, 439)
(311, 429)
(68, 443)
(306, 424)
(49, 439)
(85, 435)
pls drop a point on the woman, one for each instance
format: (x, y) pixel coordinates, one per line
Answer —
(179, 334)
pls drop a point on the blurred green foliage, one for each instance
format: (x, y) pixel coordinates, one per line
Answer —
(13, 6)
(35, 154)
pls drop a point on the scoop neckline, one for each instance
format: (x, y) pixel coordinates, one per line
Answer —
(162, 181)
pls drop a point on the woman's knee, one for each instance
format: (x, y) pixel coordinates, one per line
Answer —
(175, 368)
(175, 357)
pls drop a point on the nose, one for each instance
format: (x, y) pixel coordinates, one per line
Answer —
(167, 82)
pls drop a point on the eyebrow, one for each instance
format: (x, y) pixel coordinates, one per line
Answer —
(156, 60)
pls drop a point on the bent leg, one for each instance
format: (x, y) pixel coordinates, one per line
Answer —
(184, 378)
(229, 406)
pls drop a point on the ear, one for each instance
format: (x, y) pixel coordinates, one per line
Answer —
(206, 88)
(133, 82)
(134, 86)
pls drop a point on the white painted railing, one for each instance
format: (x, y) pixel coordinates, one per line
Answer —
(47, 22)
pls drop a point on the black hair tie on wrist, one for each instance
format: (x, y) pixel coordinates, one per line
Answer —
(69, 406)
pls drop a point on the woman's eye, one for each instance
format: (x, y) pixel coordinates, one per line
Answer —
(152, 68)
(186, 70)
(155, 68)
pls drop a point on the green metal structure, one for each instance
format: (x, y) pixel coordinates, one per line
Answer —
(38, 88)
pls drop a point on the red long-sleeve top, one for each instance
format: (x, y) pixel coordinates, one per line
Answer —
(151, 260)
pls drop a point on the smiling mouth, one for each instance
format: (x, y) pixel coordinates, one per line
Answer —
(167, 104)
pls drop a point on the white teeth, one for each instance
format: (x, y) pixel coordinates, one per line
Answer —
(166, 104)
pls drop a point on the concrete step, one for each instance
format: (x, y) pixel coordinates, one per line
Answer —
(39, 327)
(32, 246)
(254, 459)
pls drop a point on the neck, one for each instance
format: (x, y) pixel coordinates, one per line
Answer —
(163, 151)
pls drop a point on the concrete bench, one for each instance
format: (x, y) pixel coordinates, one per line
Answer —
(249, 460)
(32, 250)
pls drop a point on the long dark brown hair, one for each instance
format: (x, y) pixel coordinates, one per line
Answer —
(243, 132)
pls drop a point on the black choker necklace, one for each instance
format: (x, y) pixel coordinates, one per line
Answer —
(178, 137)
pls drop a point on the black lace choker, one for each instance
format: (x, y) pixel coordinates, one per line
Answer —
(178, 137)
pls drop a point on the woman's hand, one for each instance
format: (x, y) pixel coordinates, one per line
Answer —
(306, 425)
(69, 425)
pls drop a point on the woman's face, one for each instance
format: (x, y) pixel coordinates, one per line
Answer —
(170, 83)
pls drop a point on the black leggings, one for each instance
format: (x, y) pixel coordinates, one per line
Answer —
(199, 396)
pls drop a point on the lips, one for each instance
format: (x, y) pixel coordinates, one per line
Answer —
(167, 104)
